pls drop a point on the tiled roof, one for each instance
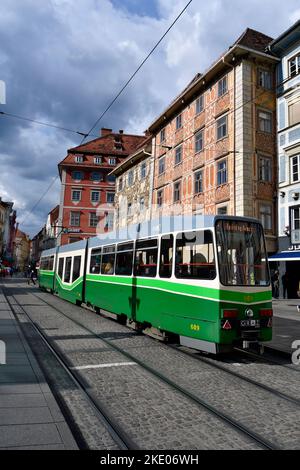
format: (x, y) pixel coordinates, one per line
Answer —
(143, 144)
(146, 143)
(20, 234)
(106, 145)
(254, 40)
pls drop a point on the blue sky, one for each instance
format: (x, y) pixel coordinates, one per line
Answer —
(138, 7)
(64, 60)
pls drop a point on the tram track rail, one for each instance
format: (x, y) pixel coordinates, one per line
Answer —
(123, 441)
(265, 358)
(244, 430)
(276, 393)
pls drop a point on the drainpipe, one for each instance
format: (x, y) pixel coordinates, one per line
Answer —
(151, 176)
(234, 125)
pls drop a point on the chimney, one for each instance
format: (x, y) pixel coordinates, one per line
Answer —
(121, 131)
(105, 131)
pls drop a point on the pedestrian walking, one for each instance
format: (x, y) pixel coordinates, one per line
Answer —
(275, 284)
(284, 281)
(32, 277)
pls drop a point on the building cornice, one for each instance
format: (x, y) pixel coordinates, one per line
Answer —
(225, 62)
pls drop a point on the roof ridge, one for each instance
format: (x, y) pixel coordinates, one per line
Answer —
(101, 137)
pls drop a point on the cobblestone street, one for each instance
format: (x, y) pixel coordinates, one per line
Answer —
(158, 396)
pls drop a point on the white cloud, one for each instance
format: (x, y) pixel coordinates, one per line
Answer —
(295, 16)
(63, 61)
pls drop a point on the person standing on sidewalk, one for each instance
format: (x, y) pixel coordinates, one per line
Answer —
(284, 280)
(275, 284)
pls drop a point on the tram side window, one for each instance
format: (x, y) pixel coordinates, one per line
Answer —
(194, 257)
(124, 259)
(76, 268)
(45, 263)
(60, 267)
(95, 261)
(166, 256)
(108, 260)
(67, 275)
(51, 263)
(146, 253)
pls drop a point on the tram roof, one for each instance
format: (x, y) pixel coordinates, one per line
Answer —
(147, 229)
(152, 228)
(49, 252)
(156, 227)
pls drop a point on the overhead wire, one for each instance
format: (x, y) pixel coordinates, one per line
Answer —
(47, 124)
(137, 70)
(85, 135)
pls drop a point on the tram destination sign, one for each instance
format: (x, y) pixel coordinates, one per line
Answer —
(242, 227)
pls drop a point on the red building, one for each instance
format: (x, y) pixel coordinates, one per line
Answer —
(86, 186)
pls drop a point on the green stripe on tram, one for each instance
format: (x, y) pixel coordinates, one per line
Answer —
(179, 288)
(71, 286)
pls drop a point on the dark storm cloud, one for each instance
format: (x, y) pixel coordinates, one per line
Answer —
(64, 60)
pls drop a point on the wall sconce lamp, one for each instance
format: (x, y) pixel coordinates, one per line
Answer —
(295, 196)
(282, 193)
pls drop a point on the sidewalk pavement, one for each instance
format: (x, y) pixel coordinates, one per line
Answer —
(30, 417)
(286, 324)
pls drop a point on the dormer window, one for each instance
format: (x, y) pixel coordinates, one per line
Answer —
(112, 161)
(79, 159)
(97, 160)
(118, 145)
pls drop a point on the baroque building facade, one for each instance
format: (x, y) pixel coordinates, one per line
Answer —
(134, 178)
(88, 187)
(214, 146)
(287, 48)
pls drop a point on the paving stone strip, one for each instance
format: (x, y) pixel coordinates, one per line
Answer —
(29, 414)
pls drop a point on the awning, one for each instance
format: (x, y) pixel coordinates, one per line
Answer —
(285, 256)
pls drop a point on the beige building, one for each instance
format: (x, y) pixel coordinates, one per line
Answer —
(134, 180)
(22, 250)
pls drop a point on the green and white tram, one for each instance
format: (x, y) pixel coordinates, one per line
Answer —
(205, 279)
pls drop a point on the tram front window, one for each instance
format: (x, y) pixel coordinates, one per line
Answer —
(241, 253)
